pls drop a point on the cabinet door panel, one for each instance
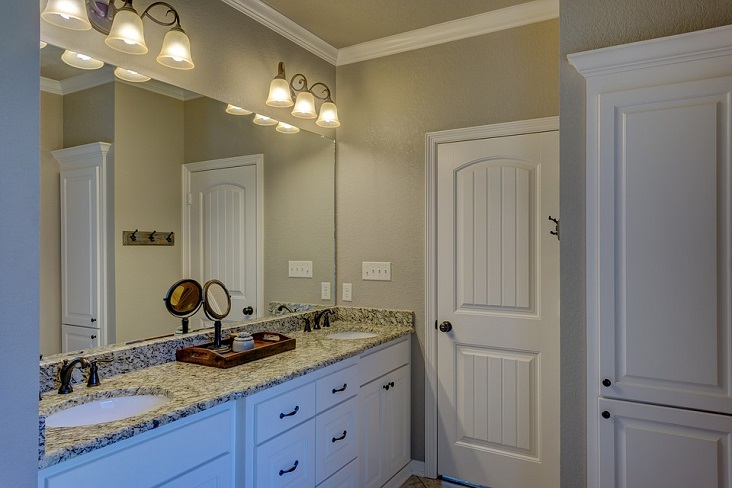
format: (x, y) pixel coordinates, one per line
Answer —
(646, 445)
(75, 338)
(665, 216)
(369, 417)
(396, 420)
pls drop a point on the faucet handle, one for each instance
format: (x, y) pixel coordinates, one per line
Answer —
(94, 372)
(307, 325)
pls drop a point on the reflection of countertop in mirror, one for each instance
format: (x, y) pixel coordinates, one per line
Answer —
(194, 388)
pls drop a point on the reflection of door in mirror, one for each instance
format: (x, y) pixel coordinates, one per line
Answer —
(222, 229)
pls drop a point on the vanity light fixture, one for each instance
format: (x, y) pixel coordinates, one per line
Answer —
(281, 93)
(123, 27)
(234, 110)
(129, 75)
(264, 120)
(81, 61)
(287, 128)
(43, 44)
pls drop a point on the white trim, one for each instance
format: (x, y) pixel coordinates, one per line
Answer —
(102, 77)
(417, 468)
(433, 140)
(398, 479)
(655, 52)
(272, 19)
(254, 159)
(476, 25)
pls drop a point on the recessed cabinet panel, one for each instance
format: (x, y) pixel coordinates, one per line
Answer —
(665, 219)
(646, 446)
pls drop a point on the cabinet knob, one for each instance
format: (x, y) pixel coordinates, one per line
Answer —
(605, 414)
(388, 385)
(445, 326)
(607, 383)
(93, 320)
(94, 336)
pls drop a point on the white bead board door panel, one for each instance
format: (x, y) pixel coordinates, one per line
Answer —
(644, 446)
(664, 218)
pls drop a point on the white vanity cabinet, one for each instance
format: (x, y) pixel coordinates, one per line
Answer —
(384, 423)
(86, 250)
(302, 432)
(192, 452)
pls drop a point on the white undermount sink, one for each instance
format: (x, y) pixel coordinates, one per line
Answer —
(105, 410)
(350, 335)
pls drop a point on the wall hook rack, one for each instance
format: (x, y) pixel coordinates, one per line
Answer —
(146, 238)
(555, 232)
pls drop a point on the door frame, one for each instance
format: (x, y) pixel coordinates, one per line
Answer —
(433, 140)
(188, 169)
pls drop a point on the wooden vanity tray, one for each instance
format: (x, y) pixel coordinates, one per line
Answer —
(265, 344)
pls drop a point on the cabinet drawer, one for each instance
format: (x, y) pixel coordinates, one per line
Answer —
(336, 387)
(283, 412)
(336, 441)
(345, 478)
(288, 459)
(381, 362)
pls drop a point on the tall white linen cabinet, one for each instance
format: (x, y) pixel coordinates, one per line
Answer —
(87, 246)
(659, 269)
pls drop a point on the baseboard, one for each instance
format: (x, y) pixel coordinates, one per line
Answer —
(417, 467)
(398, 479)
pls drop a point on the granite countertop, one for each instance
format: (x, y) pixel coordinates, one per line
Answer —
(193, 388)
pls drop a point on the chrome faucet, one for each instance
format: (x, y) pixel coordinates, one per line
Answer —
(65, 374)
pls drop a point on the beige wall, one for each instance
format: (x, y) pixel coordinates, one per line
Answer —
(585, 25)
(148, 154)
(386, 107)
(89, 116)
(52, 135)
(298, 193)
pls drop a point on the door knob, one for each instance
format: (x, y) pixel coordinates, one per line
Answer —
(445, 326)
(248, 310)
(605, 414)
(607, 383)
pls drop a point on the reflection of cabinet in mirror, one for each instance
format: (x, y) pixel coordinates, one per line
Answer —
(86, 272)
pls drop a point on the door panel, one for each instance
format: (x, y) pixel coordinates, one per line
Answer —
(498, 285)
(666, 214)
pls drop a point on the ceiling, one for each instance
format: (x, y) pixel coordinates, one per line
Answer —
(345, 23)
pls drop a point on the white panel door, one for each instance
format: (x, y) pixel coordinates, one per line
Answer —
(498, 286)
(81, 254)
(644, 446)
(223, 234)
(664, 246)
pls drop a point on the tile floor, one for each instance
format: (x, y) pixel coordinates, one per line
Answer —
(416, 482)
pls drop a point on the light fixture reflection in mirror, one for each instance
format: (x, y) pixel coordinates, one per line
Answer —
(264, 120)
(234, 110)
(81, 61)
(287, 128)
(129, 75)
(281, 92)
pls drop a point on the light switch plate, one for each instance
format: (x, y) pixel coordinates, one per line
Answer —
(325, 290)
(376, 271)
(347, 292)
(300, 269)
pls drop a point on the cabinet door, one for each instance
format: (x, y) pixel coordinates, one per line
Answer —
(664, 244)
(287, 460)
(75, 338)
(80, 251)
(369, 419)
(645, 446)
(396, 421)
(336, 439)
(213, 474)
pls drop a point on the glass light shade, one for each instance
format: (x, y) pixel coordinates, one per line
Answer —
(176, 51)
(43, 44)
(129, 75)
(264, 120)
(126, 34)
(328, 115)
(234, 110)
(287, 128)
(304, 106)
(70, 14)
(81, 61)
(279, 93)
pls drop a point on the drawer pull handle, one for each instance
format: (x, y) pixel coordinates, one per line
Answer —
(283, 415)
(340, 438)
(293, 468)
(388, 385)
(336, 390)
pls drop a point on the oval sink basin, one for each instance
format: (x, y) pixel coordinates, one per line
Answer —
(351, 335)
(105, 410)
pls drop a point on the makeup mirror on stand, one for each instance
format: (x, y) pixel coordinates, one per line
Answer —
(216, 306)
(184, 299)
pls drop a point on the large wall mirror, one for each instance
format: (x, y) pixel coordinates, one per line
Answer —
(155, 129)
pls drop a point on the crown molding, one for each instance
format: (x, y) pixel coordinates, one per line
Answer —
(476, 25)
(102, 77)
(51, 86)
(679, 48)
(271, 18)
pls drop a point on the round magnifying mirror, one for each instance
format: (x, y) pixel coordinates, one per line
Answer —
(184, 299)
(216, 306)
